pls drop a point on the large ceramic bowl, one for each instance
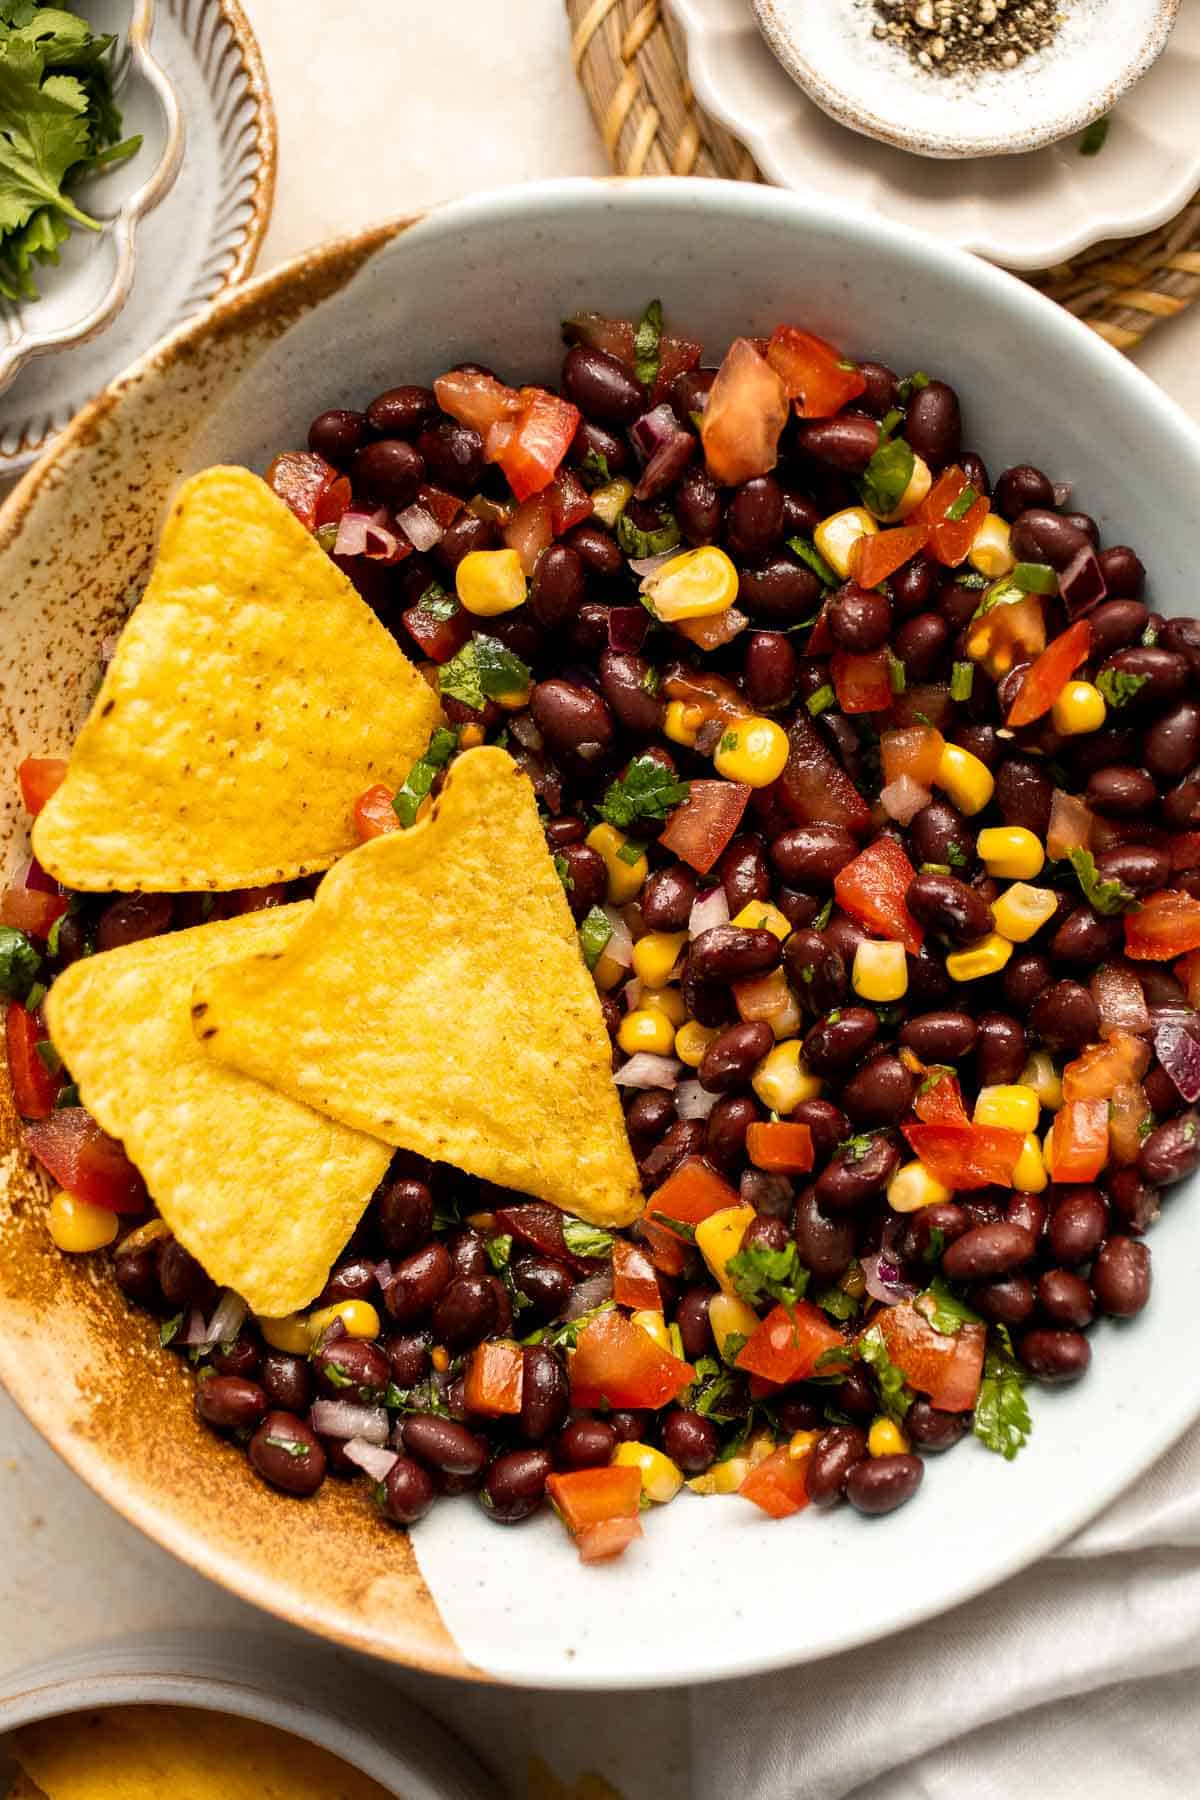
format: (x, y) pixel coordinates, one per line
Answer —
(713, 1589)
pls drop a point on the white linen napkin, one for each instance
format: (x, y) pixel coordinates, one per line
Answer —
(1074, 1681)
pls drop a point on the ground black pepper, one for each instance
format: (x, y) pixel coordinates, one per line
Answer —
(968, 37)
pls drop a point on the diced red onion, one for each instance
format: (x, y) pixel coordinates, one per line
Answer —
(627, 627)
(227, 1319)
(587, 1294)
(665, 466)
(376, 1461)
(1179, 1053)
(1119, 1000)
(522, 727)
(420, 527)
(195, 1331)
(365, 534)
(885, 1279)
(631, 993)
(904, 798)
(620, 945)
(767, 1193)
(709, 736)
(647, 566)
(342, 1419)
(1062, 492)
(645, 1070)
(708, 911)
(1081, 583)
(37, 880)
(655, 429)
(383, 1274)
(693, 1101)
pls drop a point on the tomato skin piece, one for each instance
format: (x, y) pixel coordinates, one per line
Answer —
(701, 826)
(780, 1145)
(786, 1346)
(475, 399)
(584, 1497)
(86, 1161)
(39, 777)
(967, 1156)
(495, 1378)
(32, 910)
(872, 889)
(675, 357)
(635, 1283)
(690, 1194)
(912, 750)
(530, 530)
(950, 540)
(1097, 1072)
(310, 486)
(618, 1364)
(541, 437)
(812, 372)
(714, 632)
(607, 1538)
(948, 1368)
(874, 559)
(941, 1102)
(374, 814)
(746, 412)
(1079, 1144)
(442, 506)
(438, 639)
(861, 680)
(35, 1089)
(1166, 924)
(1045, 678)
(814, 789)
(778, 1484)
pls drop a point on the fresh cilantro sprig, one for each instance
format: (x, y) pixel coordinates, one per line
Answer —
(894, 1396)
(760, 1274)
(637, 543)
(594, 933)
(1103, 896)
(484, 669)
(811, 557)
(1002, 1422)
(1118, 687)
(645, 791)
(565, 1334)
(583, 1239)
(19, 963)
(406, 802)
(647, 344)
(944, 1309)
(887, 475)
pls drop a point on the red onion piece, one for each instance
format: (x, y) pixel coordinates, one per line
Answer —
(1179, 1053)
(419, 527)
(904, 798)
(620, 944)
(646, 566)
(631, 994)
(665, 467)
(383, 1274)
(587, 1294)
(227, 1319)
(627, 628)
(375, 1461)
(1120, 1000)
(522, 727)
(693, 1101)
(645, 1070)
(36, 879)
(1081, 583)
(366, 534)
(656, 429)
(709, 911)
(194, 1333)
(885, 1279)
(709, 735)
(767, 1193)
(1062, 492)
(342, 1419)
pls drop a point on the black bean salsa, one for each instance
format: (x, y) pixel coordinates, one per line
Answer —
(874, 788)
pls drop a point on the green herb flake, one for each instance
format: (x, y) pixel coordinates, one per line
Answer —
(438, 603)
(944, 1309)
(811, 557)
(420, 778)
(962, 680)
(595, 464)
(1002, 1422)
(1034, 578)
(645, 791)
(889, 423)
(336, 1375)
(962, 506)
(631, 852)
(651, 681)
(19, 963)
(647, 344)
(583, 1239)
(594, 933)
(68, 1095)
(49, 1058)
(821, 701)
(729, 741)
(897, 679)
(1118, 687)
(957, 855)
(732, 1345)
(1095, 137)
(823, 917)
(717, 1393)
(760, 1274)
(484, 669)
(935, 1247)
(565, 1335)
(1105, 897)
(911, 385)
(169, 1329)
(680, 1227)
(295, 1449)
(894, 1397)
(562, 869)
(499, 1250)
(837, 1302)
(887, 475)
(639, 544)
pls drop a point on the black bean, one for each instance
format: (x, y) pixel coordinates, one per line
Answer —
(743, 871)
(825, 1245)
(1055, 1356)
(285, 1451)
(228, 1403)
(754, 517)
(1121, 1277)
(941, 835)
(1008, 1300)
(1078, 1222)
(597, 548)
(1021, 488)
(570, 715)
(918, 1242)
(1115, 623)
(545, 1396)
(1172, 742)
(859, 618)
(975, 470)
(932, 1430)
(181, 1279)
(1084, 937)
(854, 1175)
(1165, 672)
(827, 1123)
(408, 1357)
(586, 878)
(685, 1138)
(336, 435)
(404, 1209)
(465, 1313)
(417, 1282)
(933, 424)
(801, 514)
(1029, 1211)
(812, 855)
(444, 1444)
(1028, 974)
(515, 1485)
(947, 905)
(837, 1451)
(585, 1444)
(733, 953)
(883, 385)
(1164, 1097)
(243, 1358)
(841, 1038)
(390, 471)
(690, 1440)
(1065, 1017)
(919, 643)
(601, 386)
(1181, 812)
(691, 1316)
(725, 1131)
(668, 897)
(731, 1059)
(988, 1251)
(880, 1092)
(778, 589)
(816, 971)
(649, 1114)
(286, 1381)
(136, 1270)
(545, 1284)
(1121, 792)
(999, 1049)
(592, 441)
(408, 1492)
(352, 1369)
(558, 587)
(846, 443)
(697, 506)
(401, 411)
(1039, 535)
(625, 682)
(133, 919)
(1124, 573)
(1183, 637)
(1137, 865)
(352, 1279)
(940, 1037)
(882, 1483)
(1066, 1299)
(1135, 1203)
(629, 1426)
(1024, 793)
(769, 665)
(915, 586)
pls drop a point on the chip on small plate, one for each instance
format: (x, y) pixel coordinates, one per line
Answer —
(436, 998)
(263, 1191)
(252, 698)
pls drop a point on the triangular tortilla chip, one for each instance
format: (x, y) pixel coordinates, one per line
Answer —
(436, 997)
(264, 1192)
(252, 698)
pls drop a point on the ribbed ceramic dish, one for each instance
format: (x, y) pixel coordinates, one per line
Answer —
(714, 1589)
(183, 219)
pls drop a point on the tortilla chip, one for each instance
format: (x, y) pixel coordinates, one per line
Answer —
(252, 698)
(262, 1191)
(436, 997)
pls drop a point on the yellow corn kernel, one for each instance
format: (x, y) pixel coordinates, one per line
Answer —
(293, 1334)
(661, 1478)
(656, 955)
(723, 1478)
(439, 1356)
(728, 1315)
(753, 751)
(1079, 708)
(885, 1438)
(836, 536)
(986, 956)
(490, 582)
(781, 1080)
(803, 1443)
(1041, 1075)
(1048, 1152)
(1029, 1176)
(1011, 1105)
(991, 552)
(760, 915)
(1010, 852)
(608, 972)
(358, 1316)
(77, 1226)
(669, 1002)
(692, 1040)
(968, 781)
(625, 878)
(880, 971)
(719, 1237)
(695, 585)
(646, 1030)
(913, 1186)
(919, 484)
(655, 1326)
(610, 501)
(682, 722)
(1022, 910)
(470, 736)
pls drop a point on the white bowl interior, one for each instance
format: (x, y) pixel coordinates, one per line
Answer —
(714, 1589)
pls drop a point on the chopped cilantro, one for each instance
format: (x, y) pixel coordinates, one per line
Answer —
(583, 1239)
(19, 963)
(407, 800)
(944, 1310)
(971, 580)
(595, 463)
(438, 603)
(631, 852)
(1095, 137)
(912, 385)
(680, 1227)
(934, 1073)
(294, 1447)
(484, 669)
(637, 543)
(962, 680)
(562, 869)
(812, 559)
(49, 1058)
(760, 1274)
(594, 933)
(1107, 897)
(837, 1302)
(499, 1250)
(887, 475)
(645, 791)
(894, 1397)
(935, 1246)
(935, 869)
(1119, 688)
(1002, 1421)
(169, 1329)
(651, 681)
(426, 1397)
(647, 344)
(732, 1345)
(1034, 578)
(336, 1375)
(717, 1393)
(957, 856)
(729, 741)
(68, 1095)
(565, 1334)
(897, 679)
(889, 423)
(821, 701)
(823, 917)
(855, 1148)
(1150, 636)
(962, 506)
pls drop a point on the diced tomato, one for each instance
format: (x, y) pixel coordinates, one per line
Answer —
(1184, 850)
(816, 377)
(438, 639)
(820, 638)
(444, 507)
(31, 910)
(35, 1088)
(715, 631)
(814, 788)
(601, 1542)
(782, 1146)
(495, 1377)
(613, 336)
(618, 1364)
(915, 751)
(635, 1283)
(675, 356)
(1097, 1072)
(873, 559)
(1045, 679)
(746, 412)
(769, 997)
(690, 1194)
(967, 1156)
(861, 680)
(700, 828)
(540, 1225)
(950, 540)
(1166, 924)
(1188, 971)
(1010, 633)
(1079, 1145)
(39, 777)
(542, 436)
(475, 399)
(586, 1497)
(374, 814)
(531, 529)
(715, 697)
(310, 486)
(1128, 1111)
(572, 502)
(946, 1367)
(1070, 825)
(923, 703)
(872, 889)
(778, 1484)
(86, 1161)
(788, 1342)
(939, 1099)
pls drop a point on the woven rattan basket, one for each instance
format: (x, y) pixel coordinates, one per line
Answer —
(634, 75)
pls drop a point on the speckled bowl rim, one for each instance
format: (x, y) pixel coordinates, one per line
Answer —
(834, 100)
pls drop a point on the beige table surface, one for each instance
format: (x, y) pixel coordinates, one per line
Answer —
(384, 106)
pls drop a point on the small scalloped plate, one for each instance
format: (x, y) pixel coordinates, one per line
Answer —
(182, 220)
(1026, 212)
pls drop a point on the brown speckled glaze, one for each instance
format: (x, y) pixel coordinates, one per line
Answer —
(76, 538)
